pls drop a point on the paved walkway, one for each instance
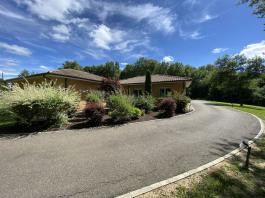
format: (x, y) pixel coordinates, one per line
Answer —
(113, 161)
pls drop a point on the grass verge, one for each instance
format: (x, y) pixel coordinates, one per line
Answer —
(227, 179)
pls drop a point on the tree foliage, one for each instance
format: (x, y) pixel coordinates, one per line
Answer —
(108, 70)
(24, 73)
(258, 5)
(71, 65)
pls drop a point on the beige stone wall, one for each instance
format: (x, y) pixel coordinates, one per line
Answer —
(81, 86)
(178, 86)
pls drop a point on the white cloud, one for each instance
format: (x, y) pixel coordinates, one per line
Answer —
(58, 10)
(255, 49)
(158, 17)
(61, 33)
(44, 67)
(8, 72)
(168, 59)
(97, 54)
(219, 50)
(8, 62)
(194, 35)
(10, 14)
(15, 49)
(103, 37)
(124, 64)
(204, 18)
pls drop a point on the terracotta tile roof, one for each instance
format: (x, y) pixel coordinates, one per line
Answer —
(155, 78)
(76, 74)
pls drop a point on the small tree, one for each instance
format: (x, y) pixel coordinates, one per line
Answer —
(148, 83)
(110, 86)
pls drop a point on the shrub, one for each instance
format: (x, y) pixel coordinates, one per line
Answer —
(110, 86)
(167, 107)
(121, 109)
(182, 103)
(146, 102)
(94, 112)
(95, 96)
(45, 103)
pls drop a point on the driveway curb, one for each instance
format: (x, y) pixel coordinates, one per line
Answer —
(193, 171)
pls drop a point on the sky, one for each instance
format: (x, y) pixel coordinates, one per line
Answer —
(39, 35)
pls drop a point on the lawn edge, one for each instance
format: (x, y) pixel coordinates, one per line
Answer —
(160, 184)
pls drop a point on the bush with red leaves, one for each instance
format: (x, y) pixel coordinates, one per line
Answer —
(110, 86)
(167, 107)
(94, 113)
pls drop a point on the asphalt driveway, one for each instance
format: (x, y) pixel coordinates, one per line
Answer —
(113, 161)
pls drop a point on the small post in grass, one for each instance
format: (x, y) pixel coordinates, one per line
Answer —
(243, 145)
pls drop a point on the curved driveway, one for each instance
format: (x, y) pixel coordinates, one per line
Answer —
(113, 161)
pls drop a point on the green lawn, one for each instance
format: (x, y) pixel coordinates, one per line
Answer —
(256, 110)
(232, 180)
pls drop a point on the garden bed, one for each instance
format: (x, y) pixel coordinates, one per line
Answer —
(108, 122)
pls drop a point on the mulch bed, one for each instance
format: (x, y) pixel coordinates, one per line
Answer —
(108, 122)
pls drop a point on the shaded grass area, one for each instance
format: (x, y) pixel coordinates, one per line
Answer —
(233, 180)
(256, 110)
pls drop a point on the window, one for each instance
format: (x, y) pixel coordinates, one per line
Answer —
(165, 91)
(137, 92)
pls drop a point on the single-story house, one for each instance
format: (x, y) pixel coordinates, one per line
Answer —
(162, 85)
(84, 81)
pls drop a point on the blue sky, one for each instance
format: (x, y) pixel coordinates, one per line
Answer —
(39, 35)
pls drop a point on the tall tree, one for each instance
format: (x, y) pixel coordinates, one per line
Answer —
(71, 65)
(110, 69)
(24, 73)
(148, 83)
(258, 5)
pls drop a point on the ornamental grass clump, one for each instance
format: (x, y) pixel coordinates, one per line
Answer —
(95, 96)
(121, 108)
(41, 103)
(145, 102)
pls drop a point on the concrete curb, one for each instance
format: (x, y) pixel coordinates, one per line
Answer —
(193, 171)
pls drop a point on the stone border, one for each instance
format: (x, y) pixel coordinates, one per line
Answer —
(193, 171)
